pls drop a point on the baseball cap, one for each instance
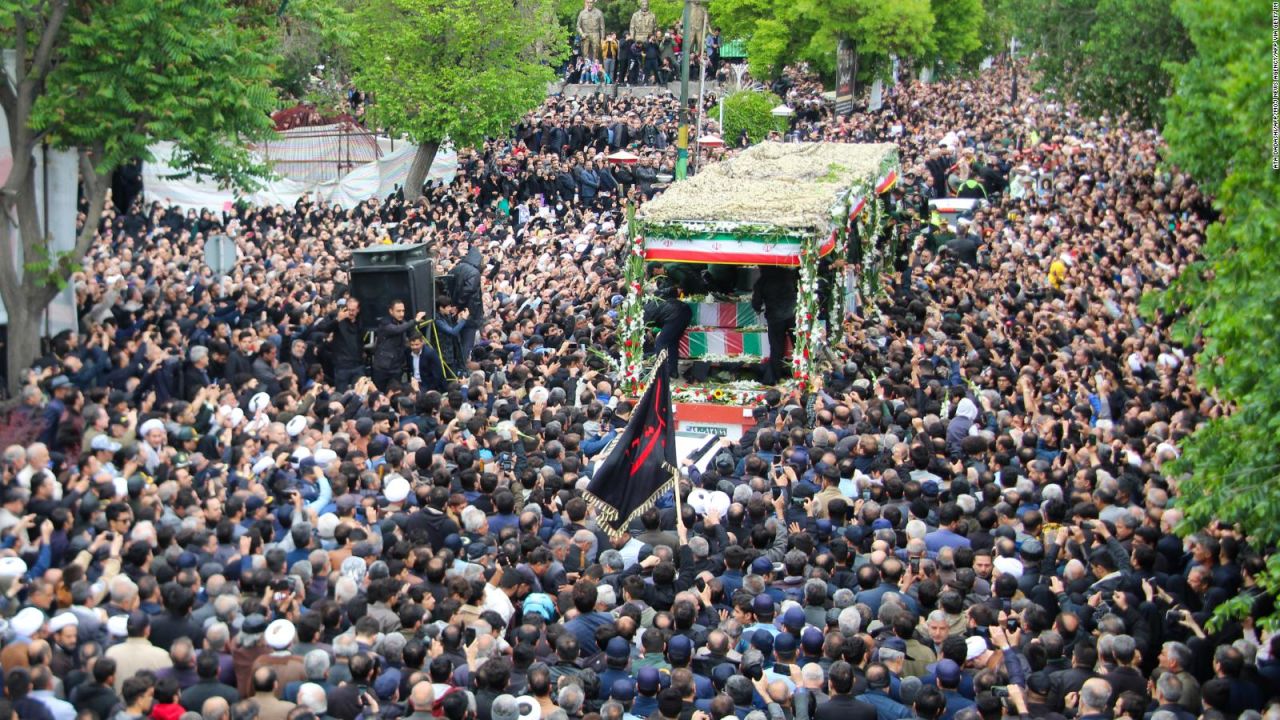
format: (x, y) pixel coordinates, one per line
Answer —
(762, 640)
(811, 640)
(618, 647)
(762, 605)
(947, 671)
(647, 680)
(104, 443)
(793, 618)
(785, 643)
(761, 565)
(679, 648)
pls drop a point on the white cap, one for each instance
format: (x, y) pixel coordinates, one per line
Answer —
(237, 417)
(27, 622)
(280, 634)
(974, 647)
(258, 402)
(698, 500)
(324, 456)
(326, 524)
(528, 707)
(395, 489)
(62, 620)
(12, 567)
(296, 425)
(300, 454)
(118, 626)
(148, 426)
(263, 465)
(1008, 566)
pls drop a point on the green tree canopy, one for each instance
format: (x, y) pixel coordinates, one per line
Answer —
(1109, 55)
(463, 70)
(781, 32)
(107, 79)
(1217, 131)
(748, 110)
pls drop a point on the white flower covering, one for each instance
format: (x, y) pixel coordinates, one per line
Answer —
(786, 185)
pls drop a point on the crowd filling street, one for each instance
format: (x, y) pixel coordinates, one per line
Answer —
(223, 507)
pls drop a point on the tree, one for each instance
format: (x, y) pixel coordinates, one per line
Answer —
(1109, 55)
(462, 70)
(782, 32)
(750, 111)
(1226, 303)
(955, 30)
(106, 79)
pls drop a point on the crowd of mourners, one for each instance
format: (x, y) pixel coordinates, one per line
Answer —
(223, 508)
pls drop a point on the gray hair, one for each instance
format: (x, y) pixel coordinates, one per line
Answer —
(850, 621)
(217, 635)
(1179, 653)
(1096, 695)
(612, 560)
(606, 596)
(123, 590)
(311, 696)
(570, 699)
(843, 598)
(472, 519)
(917, 529)
(812, 673)
(1169, 687)
(1163, 715)
(315, 666)
(345, 646)
(196, 354)
(505, 706)
(699, 547)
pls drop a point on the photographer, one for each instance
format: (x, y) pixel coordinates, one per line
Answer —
(345, 347)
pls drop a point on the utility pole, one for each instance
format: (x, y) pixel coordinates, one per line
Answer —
(682, 137)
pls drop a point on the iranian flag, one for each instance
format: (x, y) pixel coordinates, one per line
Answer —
(725, 315)
(701, 343)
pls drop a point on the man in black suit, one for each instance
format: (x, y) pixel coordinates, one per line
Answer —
(425, 372)
(842, 705)
(1065, 682)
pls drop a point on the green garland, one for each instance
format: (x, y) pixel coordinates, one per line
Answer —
(708, 231)
(631, 316)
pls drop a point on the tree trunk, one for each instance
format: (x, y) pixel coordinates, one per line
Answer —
(22, 346)
(422, 160)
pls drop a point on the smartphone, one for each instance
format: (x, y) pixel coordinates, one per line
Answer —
(777, 492)
(915, 565)
(700, 584)
(469, 635)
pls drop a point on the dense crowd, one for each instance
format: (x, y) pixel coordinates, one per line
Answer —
(225, 510)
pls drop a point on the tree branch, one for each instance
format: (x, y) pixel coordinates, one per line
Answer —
(44, 52)
(95, 190)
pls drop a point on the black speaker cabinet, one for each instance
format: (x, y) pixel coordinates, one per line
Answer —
(382, 274)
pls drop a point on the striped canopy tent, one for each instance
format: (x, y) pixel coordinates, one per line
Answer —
(779, 204)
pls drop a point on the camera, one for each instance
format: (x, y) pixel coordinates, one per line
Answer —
(505, 461)
(1173, 617)
(1000, 691)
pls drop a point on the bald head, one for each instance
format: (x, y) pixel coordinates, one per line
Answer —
(422, 697)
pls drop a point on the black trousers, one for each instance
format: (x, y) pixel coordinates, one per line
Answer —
(780, 330)
(674, 317)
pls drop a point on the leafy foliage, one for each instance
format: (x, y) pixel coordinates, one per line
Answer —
(312, 33)
(955, 29)
(617, 13)
(751, 111)
(458, 69)
(786, 31)
(131, 72)
(1110, 55)
(1228, 301)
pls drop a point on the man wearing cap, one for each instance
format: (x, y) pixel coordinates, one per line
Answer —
(763, 609)
(617, 659)
(947, 676)
(64, 631)
(137, 653)
(288, 667)
(27, 625)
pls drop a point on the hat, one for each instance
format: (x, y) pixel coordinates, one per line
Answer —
(254, 624)
(929, 488)
(59, 382)
(762, 605)
(793, 618)
(259, 402)
(1008, 566)
(387, 684)
(811, 640)
(324, 456)
(618, 646)
(118, 626)
(27, 622)
(396, 489)
(647, 680)
(698, 500)
(326, 525)
(893, 649)
(881, 524)
(280, 634)
(296, 425)
(947, 671)
(1032, 549)
(148, 426)
(762, 640)
(254, 503)
(62, 620)
(760, 566)
(974, 647)
(623, 690)
(265, 463)
(104, 443)
(12, 567)
(785, 643)
(679, 648)
(529, 708)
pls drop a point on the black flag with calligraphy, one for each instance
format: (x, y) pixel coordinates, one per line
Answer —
(641, 465)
